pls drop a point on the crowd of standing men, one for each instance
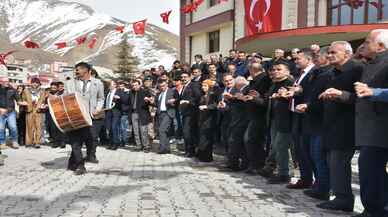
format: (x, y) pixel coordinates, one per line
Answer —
(316, 107)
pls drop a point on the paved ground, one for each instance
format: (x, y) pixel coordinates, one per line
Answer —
(36, 183)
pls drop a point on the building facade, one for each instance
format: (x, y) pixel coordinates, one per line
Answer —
(218, 26)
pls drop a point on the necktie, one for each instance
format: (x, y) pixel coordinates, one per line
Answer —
(84, 86)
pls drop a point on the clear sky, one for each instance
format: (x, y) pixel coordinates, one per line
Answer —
(135, 10)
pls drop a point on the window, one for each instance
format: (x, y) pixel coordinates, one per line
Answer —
(214, 41)
(343, 12)
(213, 3)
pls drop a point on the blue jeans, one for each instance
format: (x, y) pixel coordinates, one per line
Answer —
(318, 156)
(112, 124)
(9, 120)
(125, 130)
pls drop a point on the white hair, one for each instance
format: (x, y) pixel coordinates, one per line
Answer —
(347, 46)
(241, 80)
(382, 36)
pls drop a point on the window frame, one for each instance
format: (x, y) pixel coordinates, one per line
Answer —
(212, 48)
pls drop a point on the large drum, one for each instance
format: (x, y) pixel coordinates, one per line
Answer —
(68, 113)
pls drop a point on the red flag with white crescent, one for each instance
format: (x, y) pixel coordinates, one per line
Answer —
(165, 16)
(60, 45)
(92, 42)
(120, 29)
(262, 16)
(139, 27)
(30, 44)
(81, 40)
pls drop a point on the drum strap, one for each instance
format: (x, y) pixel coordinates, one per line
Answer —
(65, 108)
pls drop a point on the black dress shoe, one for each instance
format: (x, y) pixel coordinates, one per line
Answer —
(164, 152)
(363, 214)
(71, 167)
(91, 160)
(317, 195)
(251, 171)
(36, 146)
(265, 172)
(190, 155)
(80, 171)
(278, 180)
(337, 204)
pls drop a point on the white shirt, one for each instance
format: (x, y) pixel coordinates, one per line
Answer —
(109, 99)
(299, 80)
(81, 83)
(162, 99)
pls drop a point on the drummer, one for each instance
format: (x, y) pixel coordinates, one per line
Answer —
(91, 91)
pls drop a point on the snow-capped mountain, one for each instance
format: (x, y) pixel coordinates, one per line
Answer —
(51, 21)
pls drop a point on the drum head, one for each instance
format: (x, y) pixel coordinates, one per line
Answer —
(84, 111)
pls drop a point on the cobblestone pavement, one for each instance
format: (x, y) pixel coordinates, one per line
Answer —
(128, 184)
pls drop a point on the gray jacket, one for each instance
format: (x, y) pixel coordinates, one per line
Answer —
(93, 99)
(372, 116)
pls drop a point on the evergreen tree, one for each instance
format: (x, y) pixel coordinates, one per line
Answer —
(127, 65)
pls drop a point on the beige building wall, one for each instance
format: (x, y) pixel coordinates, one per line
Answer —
(200, 42)
(240, 19)
(205, 11)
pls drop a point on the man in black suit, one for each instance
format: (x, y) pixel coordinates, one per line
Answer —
(234, 102)
(255, 97)
(338, 124)
(301, 139)
(200, 64)
(228, 81)
(166, 105)
(372, 124)
(188, 106)
(140, 115)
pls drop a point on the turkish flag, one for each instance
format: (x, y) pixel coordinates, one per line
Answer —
(120, 29)
(60, 45)
(165, 16)
(31, 44)
(262, 16)
(81, 40)
(139, 27)
(92, 42)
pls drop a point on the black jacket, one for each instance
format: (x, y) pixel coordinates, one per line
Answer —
(339, 121)
(191, 93)
(7, 98)
(237, 109)
(279, 115)
(207, 118)
(123, 101)
(257, 108)
(312, 120)
(372, 117)
(142, 107)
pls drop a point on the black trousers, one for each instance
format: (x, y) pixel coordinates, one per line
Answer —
(237, 156)
(225, 131)
(254, 139)
(190, 132)
(92, 141)
(21, 124)
(374, 180)
(206, 142)
(77, 139)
